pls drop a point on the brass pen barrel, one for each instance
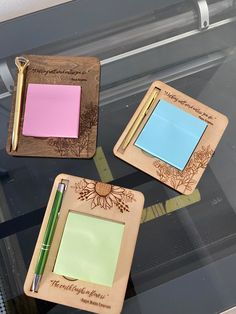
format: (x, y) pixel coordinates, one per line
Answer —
(139, 119)
(17, 112)
(21, 64)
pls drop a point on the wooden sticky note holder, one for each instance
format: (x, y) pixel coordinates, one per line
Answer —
(65, 70)
(99, 200)
(184, 181)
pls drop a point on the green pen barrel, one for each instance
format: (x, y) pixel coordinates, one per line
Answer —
(50, 229)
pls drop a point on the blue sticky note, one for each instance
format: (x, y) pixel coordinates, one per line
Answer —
(171, 134)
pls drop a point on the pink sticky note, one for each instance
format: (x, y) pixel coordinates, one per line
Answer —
(52, 111)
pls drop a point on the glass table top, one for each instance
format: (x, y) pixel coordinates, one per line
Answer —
(185, 257)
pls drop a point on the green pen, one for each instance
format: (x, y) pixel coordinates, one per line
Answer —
(48, 236)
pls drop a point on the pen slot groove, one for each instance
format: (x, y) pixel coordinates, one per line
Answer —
(143, 115)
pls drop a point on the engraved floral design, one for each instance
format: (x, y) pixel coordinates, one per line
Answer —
(103, 195)
(176, 178)
(71, 146)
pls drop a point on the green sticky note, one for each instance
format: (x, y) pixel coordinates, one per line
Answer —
(89, 249)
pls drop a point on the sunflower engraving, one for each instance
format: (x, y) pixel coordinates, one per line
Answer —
(103, 195)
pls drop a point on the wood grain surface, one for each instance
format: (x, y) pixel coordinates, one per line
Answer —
(101, 200)
(83, 71)
(184, 181)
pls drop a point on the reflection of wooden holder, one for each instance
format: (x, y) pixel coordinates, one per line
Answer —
(105, 201)
(83, 71)
(184, 181)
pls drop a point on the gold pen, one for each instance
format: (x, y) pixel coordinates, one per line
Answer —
(139, 119)
(21, 63)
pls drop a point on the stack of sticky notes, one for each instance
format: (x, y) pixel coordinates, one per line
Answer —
(52, 111)
(171, 134)
(87, 252)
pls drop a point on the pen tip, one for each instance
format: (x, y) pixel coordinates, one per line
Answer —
(35, 283)
(13, 146)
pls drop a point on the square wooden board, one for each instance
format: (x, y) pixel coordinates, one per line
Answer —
(184, 181)
(83, 71)
(99, 200)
